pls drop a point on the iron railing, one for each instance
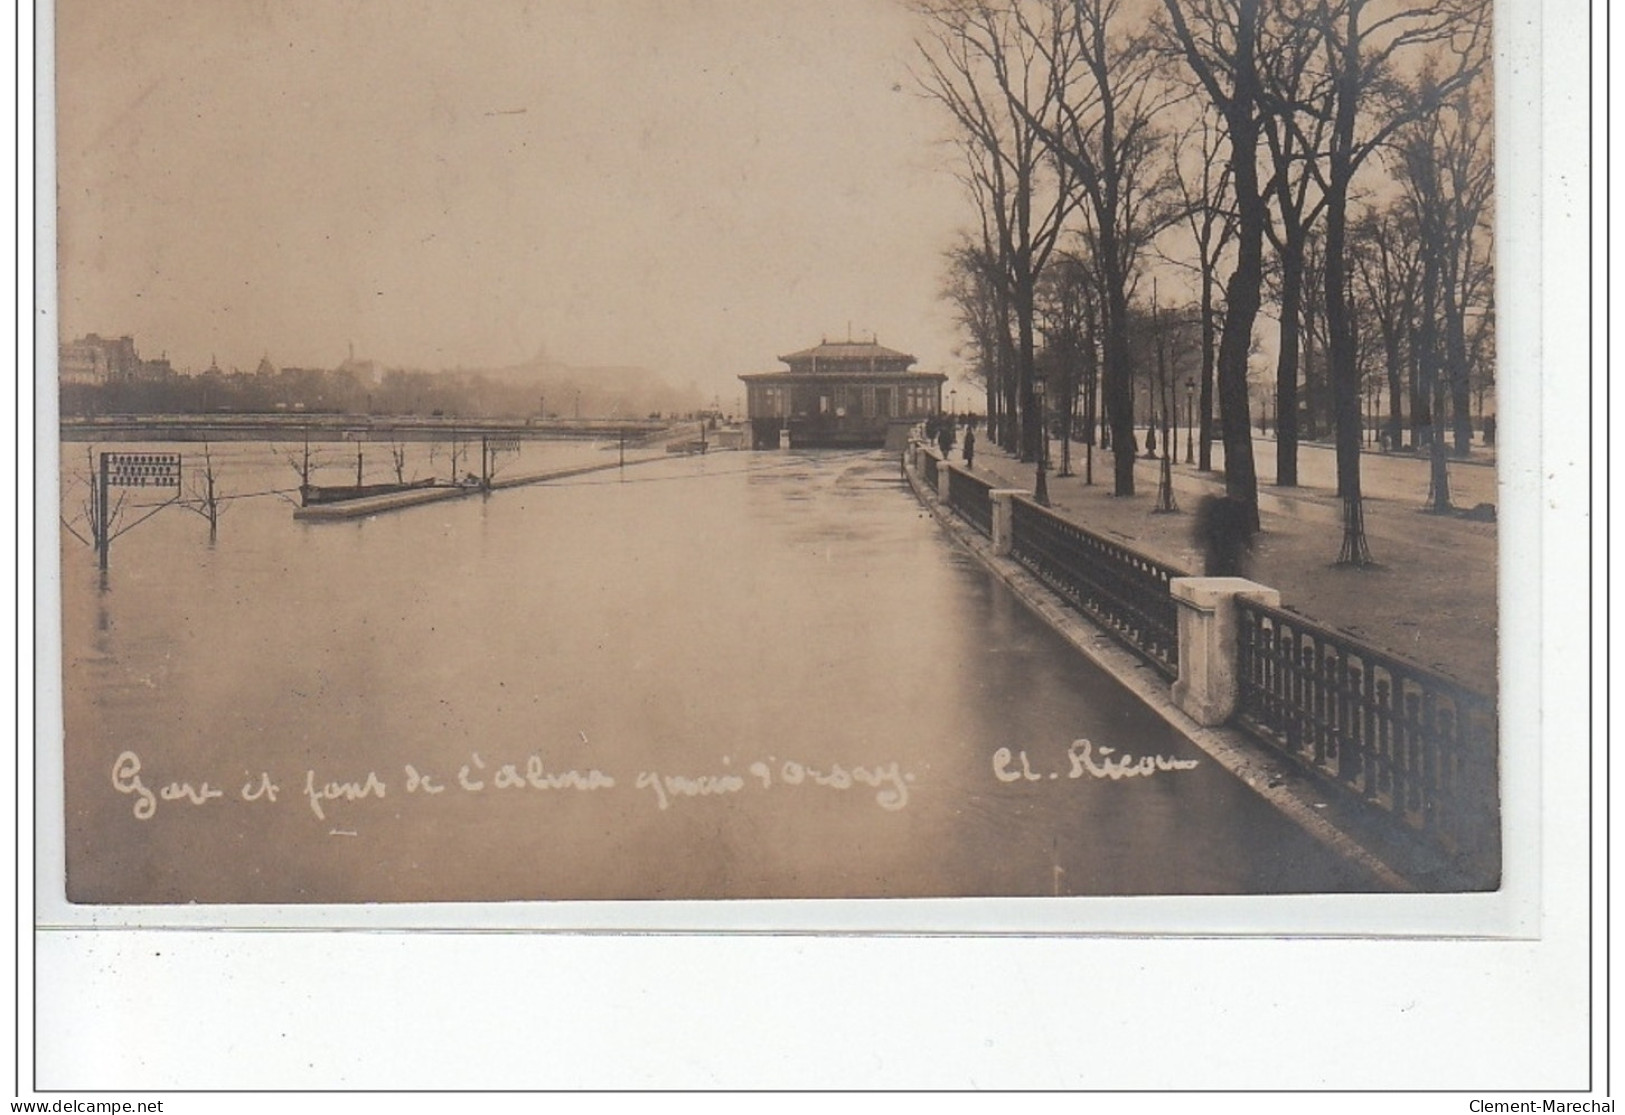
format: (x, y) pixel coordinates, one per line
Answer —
(969, 496)
(1410, 742)
(930, 469)
(1124, 591)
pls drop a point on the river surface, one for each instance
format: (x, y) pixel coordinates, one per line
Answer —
(742, 675)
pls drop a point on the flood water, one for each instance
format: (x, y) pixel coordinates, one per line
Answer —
(760, 675)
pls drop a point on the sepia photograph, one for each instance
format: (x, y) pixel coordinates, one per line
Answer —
(534, 451)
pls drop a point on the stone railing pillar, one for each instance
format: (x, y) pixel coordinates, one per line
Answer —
(1209, 685)
(944, 474)
(1004, 519)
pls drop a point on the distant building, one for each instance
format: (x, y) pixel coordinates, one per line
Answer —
(160, 368)
(845, 394)
(94, 360)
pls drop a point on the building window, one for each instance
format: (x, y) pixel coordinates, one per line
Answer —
(767, 402)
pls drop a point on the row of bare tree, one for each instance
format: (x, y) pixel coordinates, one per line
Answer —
(1328, 159)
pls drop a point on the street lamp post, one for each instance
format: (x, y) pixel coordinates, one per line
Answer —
(1041, 485)
(953, 401)
(1190, 415)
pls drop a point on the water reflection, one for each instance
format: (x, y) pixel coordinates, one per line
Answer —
(787, 682)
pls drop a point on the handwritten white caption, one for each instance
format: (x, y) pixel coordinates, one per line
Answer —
(888, 780)
(1082, 759)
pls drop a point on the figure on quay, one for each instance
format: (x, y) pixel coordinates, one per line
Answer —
(1224, 534)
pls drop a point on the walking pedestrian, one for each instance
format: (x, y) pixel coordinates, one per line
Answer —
(945, 439)
(970, 445)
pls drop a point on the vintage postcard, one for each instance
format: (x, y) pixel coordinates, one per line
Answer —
(539, 452)
(763, 498)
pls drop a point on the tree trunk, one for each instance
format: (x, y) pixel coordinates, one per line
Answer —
(1455, 333)
(1438, 457)
(1069, 385)
(1286, 365)
(1023, 307)
(990, 385)
(1314, 391)
(1343, 363)
(1119, 391)
(1393, 423)
(1430, 381)
(1418, 391)
(1209, 346)
(1243, 293)
(1010, 381)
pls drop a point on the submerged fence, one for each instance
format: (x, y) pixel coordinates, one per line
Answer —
(1410, 742)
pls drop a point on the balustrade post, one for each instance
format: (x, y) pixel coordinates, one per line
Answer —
(1004, 519)
(1209, 685)
(945, 474)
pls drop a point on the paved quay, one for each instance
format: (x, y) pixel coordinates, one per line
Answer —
(1430, 599)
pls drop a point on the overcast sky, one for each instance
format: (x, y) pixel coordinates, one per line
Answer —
(696, 186)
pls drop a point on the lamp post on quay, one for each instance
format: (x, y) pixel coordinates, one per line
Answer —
(1041, 486)
(953, 401)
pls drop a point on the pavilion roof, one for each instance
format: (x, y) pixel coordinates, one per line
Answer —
(847, 352)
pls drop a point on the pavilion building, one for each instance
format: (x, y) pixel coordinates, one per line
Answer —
(848, 394)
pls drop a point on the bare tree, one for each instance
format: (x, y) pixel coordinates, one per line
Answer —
(1219, 40)
(1365, 59)
(1210, 216)
(1312, 341)
(1292, 84)
(1385, 268)
(304, 464)
(1447, 177)
(971, 285)
(1108, 87)
(90, 507)
(980, 65)
(204, 496)
(1467, 164)
(1065, 311)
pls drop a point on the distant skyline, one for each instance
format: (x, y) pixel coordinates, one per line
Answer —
(693, 186)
